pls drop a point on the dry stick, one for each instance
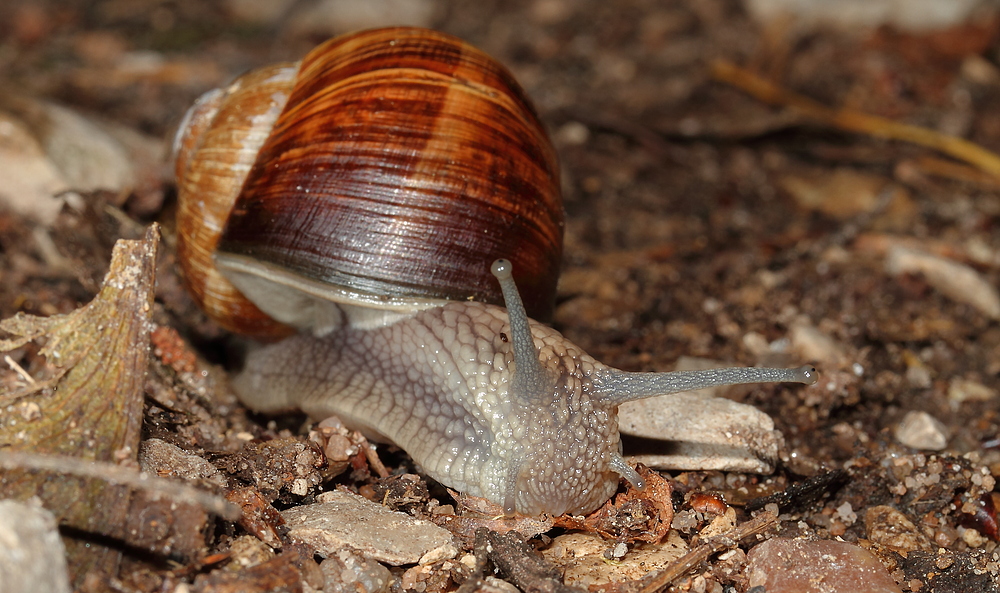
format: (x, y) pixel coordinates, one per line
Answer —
(19, 370)
(659, 580)
(477, 580)
(855, 121)
(371, 454)
(758, 524)
(116, 474)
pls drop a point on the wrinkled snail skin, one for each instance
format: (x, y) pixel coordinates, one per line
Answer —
(358, 198)
(535, 430)
(438, 386)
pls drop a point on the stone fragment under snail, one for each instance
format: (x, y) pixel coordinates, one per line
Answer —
(357, 200)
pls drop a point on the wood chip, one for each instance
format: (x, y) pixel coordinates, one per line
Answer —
(956, 281)
(713, 434)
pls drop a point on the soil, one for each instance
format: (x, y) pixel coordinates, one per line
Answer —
(701, 222)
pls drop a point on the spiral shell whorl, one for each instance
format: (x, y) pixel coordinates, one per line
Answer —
(214, 149)
(404, 162)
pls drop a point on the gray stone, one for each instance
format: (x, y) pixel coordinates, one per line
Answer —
(343, 520)
(32, 557)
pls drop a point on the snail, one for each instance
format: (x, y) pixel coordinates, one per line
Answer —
(381, 201)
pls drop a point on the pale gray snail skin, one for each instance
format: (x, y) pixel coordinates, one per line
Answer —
(486, 400)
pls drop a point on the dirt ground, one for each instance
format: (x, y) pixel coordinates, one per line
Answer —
(702, 221)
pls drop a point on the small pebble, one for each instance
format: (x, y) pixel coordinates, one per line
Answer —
(500, 585)
(918, 377)
(720, 524)
(846, 514)
(809, 343)
(920, 430)
(572, 133)
(246, 551)
(972, 538)
(917, 373)
(782, 565)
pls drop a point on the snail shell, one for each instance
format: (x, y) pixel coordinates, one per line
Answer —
(387, 169)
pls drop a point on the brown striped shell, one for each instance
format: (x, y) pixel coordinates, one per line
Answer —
(398, 164)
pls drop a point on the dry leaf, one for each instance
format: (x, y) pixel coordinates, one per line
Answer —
(88, 404)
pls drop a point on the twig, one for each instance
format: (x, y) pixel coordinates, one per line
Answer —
(371, 454)
(477, 580)
(657, 581)
(116, 474)
(803, 493)
(856, 121)
(18, 369)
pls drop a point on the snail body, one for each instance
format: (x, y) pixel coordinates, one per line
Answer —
(486, 400)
